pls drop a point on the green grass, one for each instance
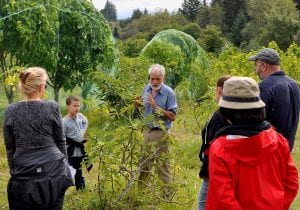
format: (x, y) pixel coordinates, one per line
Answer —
(185, 166)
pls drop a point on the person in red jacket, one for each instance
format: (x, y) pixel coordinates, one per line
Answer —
(250, 164)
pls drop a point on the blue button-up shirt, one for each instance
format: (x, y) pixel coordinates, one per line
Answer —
(165, 99)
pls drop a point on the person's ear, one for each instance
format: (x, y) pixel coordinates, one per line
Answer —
(264, 65)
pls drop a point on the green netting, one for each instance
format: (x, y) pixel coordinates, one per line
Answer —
(188, 45)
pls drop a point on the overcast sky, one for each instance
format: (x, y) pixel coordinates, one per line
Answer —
(125, 7)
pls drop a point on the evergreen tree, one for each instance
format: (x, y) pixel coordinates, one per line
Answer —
(203, 17)
(146, 11)
(109, 11)
(236, 31)
(216, 15)
(136, 14)
(190, 9)
(231, 9)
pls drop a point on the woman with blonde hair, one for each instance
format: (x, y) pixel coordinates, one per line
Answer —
(35, 147)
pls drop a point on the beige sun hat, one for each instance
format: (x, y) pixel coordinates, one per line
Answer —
(241, 93)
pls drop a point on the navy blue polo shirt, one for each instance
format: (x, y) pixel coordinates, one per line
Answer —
(281, 95)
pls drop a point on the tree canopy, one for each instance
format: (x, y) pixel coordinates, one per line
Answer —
(109, 11)
(69, 38)
(272, 21)
(190, 9)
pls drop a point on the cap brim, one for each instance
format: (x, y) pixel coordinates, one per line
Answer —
(252, 58)
(241, 105)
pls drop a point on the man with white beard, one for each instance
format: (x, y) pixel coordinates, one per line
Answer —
(160, 107)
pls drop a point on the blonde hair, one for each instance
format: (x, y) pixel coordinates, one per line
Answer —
(31, 79)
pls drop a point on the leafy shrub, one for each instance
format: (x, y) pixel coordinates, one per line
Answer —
(133, 47)
(211, 39)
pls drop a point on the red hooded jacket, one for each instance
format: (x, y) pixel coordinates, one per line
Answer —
(251, 173)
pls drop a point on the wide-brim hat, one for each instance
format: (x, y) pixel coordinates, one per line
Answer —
(241, 93)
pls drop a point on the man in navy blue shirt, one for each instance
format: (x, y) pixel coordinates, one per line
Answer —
(160, 107)
(280, 93)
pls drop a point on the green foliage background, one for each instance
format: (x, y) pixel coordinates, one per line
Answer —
(115, 135)
(114, 132)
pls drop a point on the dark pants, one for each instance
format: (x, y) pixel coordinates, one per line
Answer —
(75, 162)
(19, 204)
(22, 195)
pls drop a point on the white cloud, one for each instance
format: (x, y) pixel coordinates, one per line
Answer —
(126, 7)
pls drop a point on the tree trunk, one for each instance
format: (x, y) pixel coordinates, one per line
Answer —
(9, 94)
(56, 94)
(7, 89)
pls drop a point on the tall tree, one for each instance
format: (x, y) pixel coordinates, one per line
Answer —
(27, 38)
(272, 20)
(145, 12)
(216, 15)
(236, 35)
(190, 9)
(69, 43)
(136, 14)
(151, 24)
(109, 11)
(203, 16)
(231, 9)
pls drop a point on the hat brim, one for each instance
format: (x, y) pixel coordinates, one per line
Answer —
(252, 58)
(241, 105)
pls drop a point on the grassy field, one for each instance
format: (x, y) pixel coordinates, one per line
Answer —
(186, 172)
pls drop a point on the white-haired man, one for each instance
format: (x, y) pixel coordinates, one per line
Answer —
(159, 102)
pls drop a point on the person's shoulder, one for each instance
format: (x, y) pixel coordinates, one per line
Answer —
(167, 88)
(52, 104)
(13, 106)
(217, 114)
(217, 145)
(281, 140)
(291, 81)
(146, 87)
(271, 82)
(277, 81)
(217, 121)
(66, 120)
(81, 115)
(268, 81)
